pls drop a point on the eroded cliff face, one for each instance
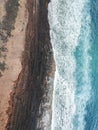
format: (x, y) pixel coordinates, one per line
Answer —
(26, 65)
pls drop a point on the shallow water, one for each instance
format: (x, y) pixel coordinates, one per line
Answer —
(74, 33)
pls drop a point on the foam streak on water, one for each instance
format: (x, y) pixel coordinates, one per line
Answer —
(83, 71)
(65, 17)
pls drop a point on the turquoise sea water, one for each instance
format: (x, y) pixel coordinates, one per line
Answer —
(91, 117)
(74, 37)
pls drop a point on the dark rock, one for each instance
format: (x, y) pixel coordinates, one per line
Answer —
(30, 86)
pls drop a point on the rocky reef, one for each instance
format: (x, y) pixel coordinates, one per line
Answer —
(26, 66)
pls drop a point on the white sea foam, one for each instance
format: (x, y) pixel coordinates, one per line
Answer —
(65, 17)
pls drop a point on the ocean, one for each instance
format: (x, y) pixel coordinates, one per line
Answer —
(74, 38)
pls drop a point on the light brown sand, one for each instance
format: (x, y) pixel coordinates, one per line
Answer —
(15, 46)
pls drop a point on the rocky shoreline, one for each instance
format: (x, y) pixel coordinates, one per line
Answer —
(31, 93)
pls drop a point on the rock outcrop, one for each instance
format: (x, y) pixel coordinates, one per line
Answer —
(26, 66)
